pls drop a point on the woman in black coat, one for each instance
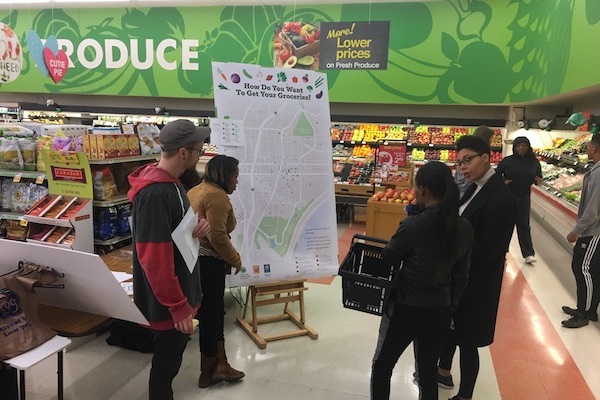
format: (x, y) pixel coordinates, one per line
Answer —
(520, 171)
(433, 247)
(490, 208)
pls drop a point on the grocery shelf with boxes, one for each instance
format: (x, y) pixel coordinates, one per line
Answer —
(113, 152)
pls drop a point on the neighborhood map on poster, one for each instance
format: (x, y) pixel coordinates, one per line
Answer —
(284, 202)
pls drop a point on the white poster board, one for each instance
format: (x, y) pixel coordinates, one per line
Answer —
(284, 201)
(88, 283)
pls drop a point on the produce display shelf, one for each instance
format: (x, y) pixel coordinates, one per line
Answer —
(112, 241)
(408, 144)
(119, 160)
(451, 164)
(10, 173)
(115, 201)
(566, 159)
(443, 146)
(557, 193)
(338, 158)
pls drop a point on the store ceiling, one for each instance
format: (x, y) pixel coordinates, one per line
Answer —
(7, 4)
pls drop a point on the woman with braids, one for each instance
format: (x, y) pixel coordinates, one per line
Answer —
(434, 247)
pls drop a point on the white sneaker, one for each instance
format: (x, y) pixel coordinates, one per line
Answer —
(530, 259)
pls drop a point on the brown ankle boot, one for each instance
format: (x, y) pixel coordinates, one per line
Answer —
(207, 368)
(223, 370)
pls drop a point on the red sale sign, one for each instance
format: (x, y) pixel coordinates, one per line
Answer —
(392, 155)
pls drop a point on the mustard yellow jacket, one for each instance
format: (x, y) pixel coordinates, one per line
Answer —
(212, 202)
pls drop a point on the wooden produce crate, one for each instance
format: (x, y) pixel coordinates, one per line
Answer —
(356, 190)
(383, 218)
(360, 213)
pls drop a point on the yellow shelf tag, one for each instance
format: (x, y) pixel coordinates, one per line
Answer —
(59, 156)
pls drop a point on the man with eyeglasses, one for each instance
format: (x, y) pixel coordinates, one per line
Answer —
(163, 287)
(490, 207)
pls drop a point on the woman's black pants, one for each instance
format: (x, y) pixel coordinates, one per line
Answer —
(212, 310)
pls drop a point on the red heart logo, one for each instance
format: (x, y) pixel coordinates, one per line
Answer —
(57, 64)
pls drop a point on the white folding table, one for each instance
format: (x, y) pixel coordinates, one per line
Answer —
(56, 345)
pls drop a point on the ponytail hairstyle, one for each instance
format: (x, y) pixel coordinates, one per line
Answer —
(437, 178)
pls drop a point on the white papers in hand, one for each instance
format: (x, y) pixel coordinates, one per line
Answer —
(186, 243)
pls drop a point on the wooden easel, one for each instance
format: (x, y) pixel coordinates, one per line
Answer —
(281, 292)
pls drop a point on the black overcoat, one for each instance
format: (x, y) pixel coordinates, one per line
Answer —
(492, 216)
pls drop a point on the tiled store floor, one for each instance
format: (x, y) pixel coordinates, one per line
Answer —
(533, 357)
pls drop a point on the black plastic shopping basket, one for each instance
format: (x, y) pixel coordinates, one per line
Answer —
(366, 281)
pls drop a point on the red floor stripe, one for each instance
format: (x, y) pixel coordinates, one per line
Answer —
(345, 240)
(530, 359)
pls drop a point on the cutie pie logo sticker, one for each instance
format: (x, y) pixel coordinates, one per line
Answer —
(11, 54)
(48, 58)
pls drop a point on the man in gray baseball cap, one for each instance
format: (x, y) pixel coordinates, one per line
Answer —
(164, 289)
(181, 134)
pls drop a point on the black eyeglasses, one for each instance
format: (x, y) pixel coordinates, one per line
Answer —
(466, 160)
(200, 151)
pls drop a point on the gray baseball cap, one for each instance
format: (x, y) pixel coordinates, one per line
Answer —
(180, 133)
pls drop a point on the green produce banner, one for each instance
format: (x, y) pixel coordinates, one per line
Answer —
(442, 52)
(355, 45)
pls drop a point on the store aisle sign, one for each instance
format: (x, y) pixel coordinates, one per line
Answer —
(354, 45)
(142, 54)
(11, 54)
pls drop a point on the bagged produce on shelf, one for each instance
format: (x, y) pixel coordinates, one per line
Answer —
(15, 231)
(10, 129)
(106, 223)
(62, 143)
(28, 147)
(43, 143)
(19, 196)
(123, 213)
(148, 135)
(10, 153)
(6, 194)
(25, 195)
(105, 187)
